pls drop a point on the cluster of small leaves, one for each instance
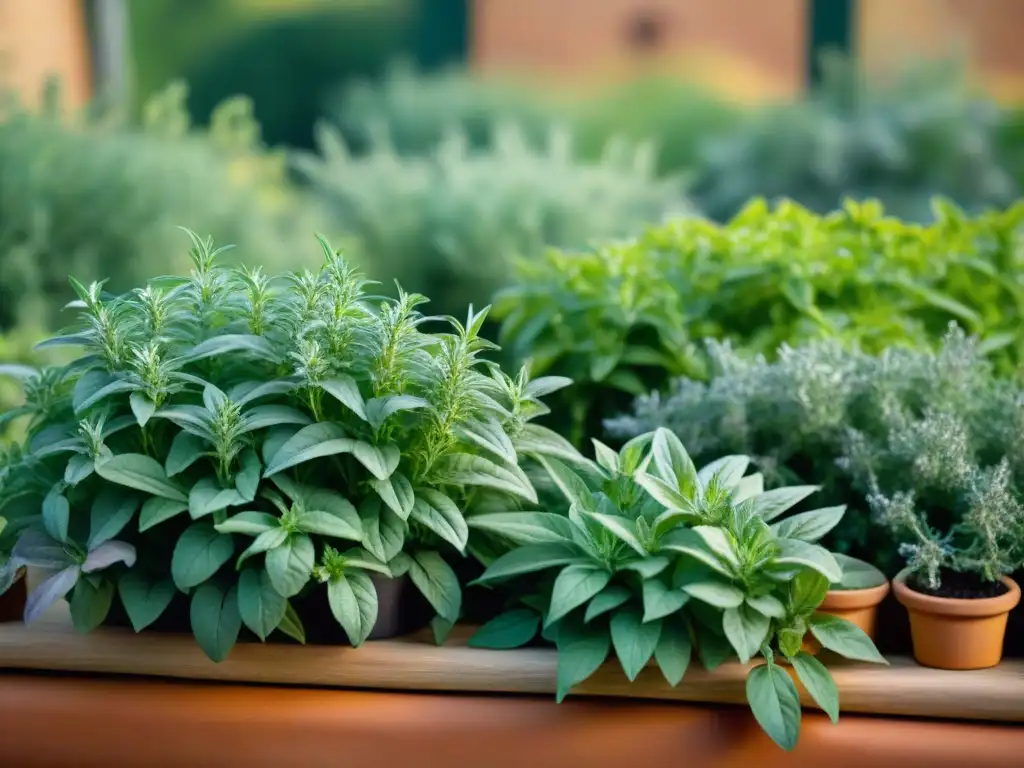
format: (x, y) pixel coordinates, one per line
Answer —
(95, 195)
(930, 443)
(656, 558)
(926, 133)
(451, 223)
(241, 442)
(620, 319)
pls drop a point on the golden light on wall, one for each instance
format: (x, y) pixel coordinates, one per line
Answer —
(43, 38)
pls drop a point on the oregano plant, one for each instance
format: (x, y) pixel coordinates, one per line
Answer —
(235, 442)
(657, 560)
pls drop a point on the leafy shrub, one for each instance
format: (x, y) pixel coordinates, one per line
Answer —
(657, 557)
(929, 443)
(620, 318)
(923, 135)
(451, 224)
(417, 111)
(680, 119)
(99, 197)
(251, 443)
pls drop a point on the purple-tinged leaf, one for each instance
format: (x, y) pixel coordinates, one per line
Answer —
(49, 592)
(37, 549)
(108, 553)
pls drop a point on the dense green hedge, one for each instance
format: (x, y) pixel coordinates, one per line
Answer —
(622, 317)
(451, 224)
(103, 198)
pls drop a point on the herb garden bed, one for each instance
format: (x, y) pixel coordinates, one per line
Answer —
(415, 663)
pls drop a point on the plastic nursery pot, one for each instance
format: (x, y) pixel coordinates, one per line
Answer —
(858, 606)
(12, 602)
(957, 633)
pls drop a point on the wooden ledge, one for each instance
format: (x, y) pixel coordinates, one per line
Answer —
(415, 664)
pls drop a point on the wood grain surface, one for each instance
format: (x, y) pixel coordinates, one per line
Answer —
(52, 721)
(415, 664)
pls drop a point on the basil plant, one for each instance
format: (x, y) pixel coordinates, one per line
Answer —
(243, 443)
(657, 559)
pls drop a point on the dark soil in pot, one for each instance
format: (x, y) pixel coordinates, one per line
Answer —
(12, 602)
(959, 586)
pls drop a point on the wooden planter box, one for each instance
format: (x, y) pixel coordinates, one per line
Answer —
(119, 721)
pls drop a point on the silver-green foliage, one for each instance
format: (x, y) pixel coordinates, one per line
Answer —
(657, 558)
(926, 134)
(97, 196)
(452, 222)
(242, 440)
(930, 443)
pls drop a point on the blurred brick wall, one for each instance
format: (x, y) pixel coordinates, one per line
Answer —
(989, 33)
(749, 48)
(39, 38)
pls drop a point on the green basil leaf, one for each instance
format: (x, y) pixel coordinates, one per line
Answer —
(574, 586)
(186, 450)
(795, 552)
(745, 629)
(90, 604)
(260, 606)
(383, 530)
(523, 528)
(135, 470)
(353, 601)
(56, 513)
(770, 504)
(144, 599)
(199, 554)
(345, 390)
(142, 407)
(845, 638)
(290, 564)
(312, 442)
(607, 599)
(775, 702)
(582, 648)
(207, 497)
(111, 511)
(661, 601)
(634, 640)
(438, 583)
(158, 509)
(396, 491)
(215, 619)
(512, 629)
(291, 624)
(716, 593)
(673, 650)
(810, 526)
(79, 467)
(440, 514)
(818, 682)
(531, 559)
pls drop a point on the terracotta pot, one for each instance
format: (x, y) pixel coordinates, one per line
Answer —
(12, 602)
(953, 633)
(858, 606)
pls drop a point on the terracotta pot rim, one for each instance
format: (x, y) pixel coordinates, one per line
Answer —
(852, 599)
(956, 607)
